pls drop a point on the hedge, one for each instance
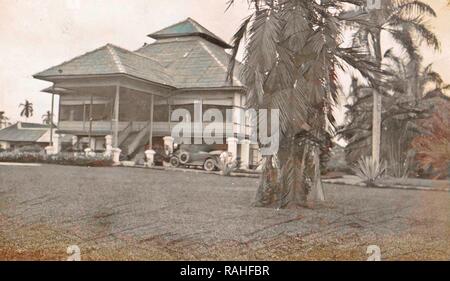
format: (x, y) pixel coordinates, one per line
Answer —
(58, 159)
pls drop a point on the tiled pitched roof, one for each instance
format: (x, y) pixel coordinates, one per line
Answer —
(28, 132)
(185, 55)
(111, 59)
(189, 27)
(193, 61)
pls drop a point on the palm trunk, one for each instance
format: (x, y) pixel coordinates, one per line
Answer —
(317, 187)
(284, 187)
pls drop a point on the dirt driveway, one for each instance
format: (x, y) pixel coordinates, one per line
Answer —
(132, 214)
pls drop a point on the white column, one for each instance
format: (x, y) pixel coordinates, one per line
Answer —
(116, 117)
(168, 148)
(198, 122)
(245, 154)
(150, 154)
(116, 156)
(232, 147)
(108, 142)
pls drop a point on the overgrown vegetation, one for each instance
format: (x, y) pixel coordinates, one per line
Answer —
(370, 170)
(293, 52)
(58, 159)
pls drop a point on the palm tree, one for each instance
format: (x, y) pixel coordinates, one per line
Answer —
(47, 118)
(403, 20)
(27, 109)
(292, 52)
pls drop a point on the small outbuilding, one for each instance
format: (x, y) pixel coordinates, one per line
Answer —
(24, 134)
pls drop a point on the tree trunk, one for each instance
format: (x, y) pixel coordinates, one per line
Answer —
(318, 194)
(266, 196)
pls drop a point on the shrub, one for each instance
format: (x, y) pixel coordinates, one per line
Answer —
(433, 149)
(226, 164)
(30, 149)
(370, 171)
(58, 159)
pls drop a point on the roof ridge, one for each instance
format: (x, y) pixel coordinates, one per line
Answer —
(71, 60)
(167, 27)
(195, 29)
(219, 61)
(137, 54)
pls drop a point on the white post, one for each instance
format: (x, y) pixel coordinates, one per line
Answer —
(56, 147)
(109, 147)
(56, 143)
(116, 117)
(168, 148)
(92, 144)
(168, 145)
(116, 156)
(232, 147)
(245, 154)
(317, 191)
(152, 109)
(150, 154)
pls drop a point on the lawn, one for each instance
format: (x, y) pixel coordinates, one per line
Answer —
(141, 214)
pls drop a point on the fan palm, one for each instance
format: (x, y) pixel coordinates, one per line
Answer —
(292, 51)
(400, 116)
(27, 109)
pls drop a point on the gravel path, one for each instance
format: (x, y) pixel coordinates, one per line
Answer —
(194, 216)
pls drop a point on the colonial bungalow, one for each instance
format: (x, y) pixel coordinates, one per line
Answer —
(24, 134)
(112, 98)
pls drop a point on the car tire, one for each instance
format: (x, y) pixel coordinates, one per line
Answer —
(184, 158)
(209, 165)
(174, 161)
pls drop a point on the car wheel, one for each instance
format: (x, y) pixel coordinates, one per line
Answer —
(174, 161)
(184, 157)
(209, 165)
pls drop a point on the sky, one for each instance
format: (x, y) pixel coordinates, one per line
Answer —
(38, 34)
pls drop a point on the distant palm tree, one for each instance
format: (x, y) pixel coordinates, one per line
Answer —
(3, 119)
(27, 110)
(404, 21)
(47, 118)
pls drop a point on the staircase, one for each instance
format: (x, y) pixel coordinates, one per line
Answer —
(135, 142)
(126, 143)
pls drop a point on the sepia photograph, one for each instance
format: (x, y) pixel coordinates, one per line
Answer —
(224, 131)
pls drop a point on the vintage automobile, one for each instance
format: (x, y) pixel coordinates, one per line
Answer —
(195, 156)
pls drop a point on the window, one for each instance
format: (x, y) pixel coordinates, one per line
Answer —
(71, 112)
(100, 112)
